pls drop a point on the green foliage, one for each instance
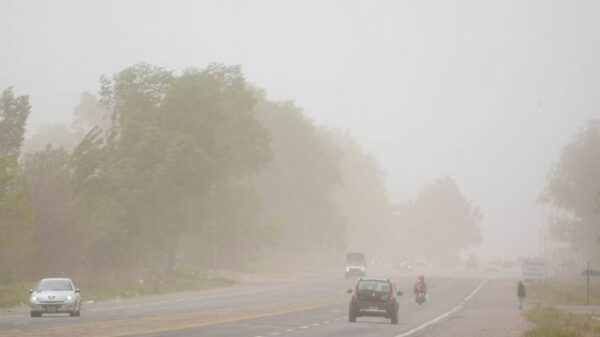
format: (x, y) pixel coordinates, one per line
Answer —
(363, 201)
(170, 171)
(550, 322)
(15, 210)
(298, 187)
(442, 218)
(56, 215)
(13, 115)
(15, 220)
(574, 188)
(175, 141)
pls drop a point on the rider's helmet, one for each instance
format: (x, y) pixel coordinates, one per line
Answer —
(421, 277)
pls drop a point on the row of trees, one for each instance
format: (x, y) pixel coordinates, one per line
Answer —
(201, 169)
(165, 169)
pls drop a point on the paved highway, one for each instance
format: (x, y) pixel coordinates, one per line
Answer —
(316, 307)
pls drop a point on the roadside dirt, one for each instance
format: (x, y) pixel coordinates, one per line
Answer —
(493, 312)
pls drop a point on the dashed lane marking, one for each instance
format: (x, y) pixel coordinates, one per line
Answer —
(446, 314)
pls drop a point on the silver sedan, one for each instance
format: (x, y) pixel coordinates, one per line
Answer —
(55, 295)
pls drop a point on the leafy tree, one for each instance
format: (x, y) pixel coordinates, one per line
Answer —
(13, 115)
(298, 187)
(441, 221)
(574, 188)
(56, 215)
(363, 201)
(15, 210)
(87, 115)
(175, 140)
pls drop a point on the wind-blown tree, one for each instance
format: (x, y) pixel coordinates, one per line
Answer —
(363, 201)
(14, 112)
(56, 216)
(298, 187)
(175, 142)
(574, 188)
(87, 114)
(15, 210)
(441, 221)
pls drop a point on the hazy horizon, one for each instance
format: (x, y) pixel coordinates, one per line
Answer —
(484, 92)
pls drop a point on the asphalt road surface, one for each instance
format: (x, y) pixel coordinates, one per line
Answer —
(302, 308)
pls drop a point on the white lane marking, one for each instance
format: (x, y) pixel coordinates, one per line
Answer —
(316, 324)
(441, 317)
(290, 330)
(304, 327)
(326, 322)
(275, 333)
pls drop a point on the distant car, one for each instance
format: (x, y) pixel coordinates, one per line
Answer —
(55, 295)
(356, 264)
(374, 297)
(419, 262)
(402, 265)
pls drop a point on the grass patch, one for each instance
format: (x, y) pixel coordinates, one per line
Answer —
(564, 292)
(14, 293)
(550, 322)
(117, 286)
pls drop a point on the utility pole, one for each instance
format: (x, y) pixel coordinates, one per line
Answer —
(587, 273)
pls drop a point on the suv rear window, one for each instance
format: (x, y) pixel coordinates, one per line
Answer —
(355, 258)
(374, 285)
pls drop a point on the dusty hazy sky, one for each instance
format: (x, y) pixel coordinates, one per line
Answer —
(484, 91)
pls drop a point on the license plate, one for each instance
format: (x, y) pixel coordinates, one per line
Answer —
(373, 308)
(51, 309)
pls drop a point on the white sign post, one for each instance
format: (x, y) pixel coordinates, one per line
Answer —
(533, 269)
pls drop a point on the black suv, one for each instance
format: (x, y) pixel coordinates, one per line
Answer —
(374, 297)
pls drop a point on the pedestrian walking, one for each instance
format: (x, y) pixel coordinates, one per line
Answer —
(521, 293)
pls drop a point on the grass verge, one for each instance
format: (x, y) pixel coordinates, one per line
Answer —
(118, 287)
(550, 322)
(557, 292)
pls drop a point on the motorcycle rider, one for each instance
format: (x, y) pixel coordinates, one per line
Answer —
(420, 286)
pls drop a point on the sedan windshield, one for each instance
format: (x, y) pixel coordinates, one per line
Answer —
(54, 285)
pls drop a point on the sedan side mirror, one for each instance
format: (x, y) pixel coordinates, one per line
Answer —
(31, 291)
(399, 293)
(349, 291)
(77, 290)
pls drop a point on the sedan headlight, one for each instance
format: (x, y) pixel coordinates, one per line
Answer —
(69, 298)
(347, 269)
(34, 299)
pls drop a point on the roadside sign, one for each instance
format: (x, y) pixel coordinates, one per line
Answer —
(591, 272)
(533, 269)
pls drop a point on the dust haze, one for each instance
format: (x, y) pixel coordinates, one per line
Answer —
(396, 128)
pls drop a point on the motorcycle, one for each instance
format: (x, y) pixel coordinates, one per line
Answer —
(420, 297)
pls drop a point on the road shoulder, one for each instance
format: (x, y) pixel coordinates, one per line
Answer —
(493, 312)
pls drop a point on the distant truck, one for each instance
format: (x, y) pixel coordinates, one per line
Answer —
(356, 264)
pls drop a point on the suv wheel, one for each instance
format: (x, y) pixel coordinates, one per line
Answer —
(395, 317)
